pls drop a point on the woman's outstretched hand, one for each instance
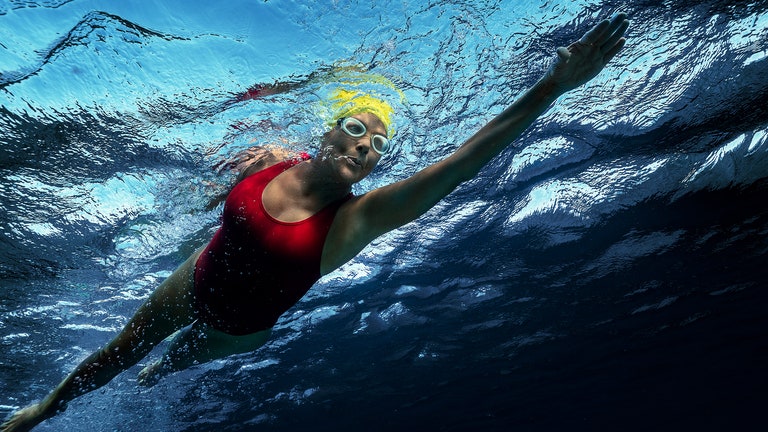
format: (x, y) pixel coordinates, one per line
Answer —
(585, 58)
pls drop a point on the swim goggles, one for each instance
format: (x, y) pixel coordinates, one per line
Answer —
(355, 128)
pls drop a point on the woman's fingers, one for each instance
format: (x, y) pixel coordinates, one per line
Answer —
(593, 35)
(615, 36)
(608, 36)
(614, 50)
(606, 31)
(584, 59)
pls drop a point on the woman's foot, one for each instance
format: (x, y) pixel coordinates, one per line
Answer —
(151, 374)
(26, 418)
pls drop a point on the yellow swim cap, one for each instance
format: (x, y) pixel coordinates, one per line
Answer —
(346, 103)
(355, 91)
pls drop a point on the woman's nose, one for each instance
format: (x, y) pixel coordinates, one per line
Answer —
(363, 145)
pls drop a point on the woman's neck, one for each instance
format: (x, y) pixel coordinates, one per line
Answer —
(315, 178)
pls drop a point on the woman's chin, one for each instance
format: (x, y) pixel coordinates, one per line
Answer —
(349, 172)
(350, 177)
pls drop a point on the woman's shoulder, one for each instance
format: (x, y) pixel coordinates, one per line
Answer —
(248, 162)
(258, 158)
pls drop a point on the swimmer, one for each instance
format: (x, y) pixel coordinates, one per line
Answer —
(226, 297)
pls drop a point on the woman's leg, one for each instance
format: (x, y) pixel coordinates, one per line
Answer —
(200, 343)
(169, 308)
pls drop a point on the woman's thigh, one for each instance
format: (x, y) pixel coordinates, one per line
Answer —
(169, 308)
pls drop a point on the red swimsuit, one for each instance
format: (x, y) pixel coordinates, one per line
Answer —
(256, 267)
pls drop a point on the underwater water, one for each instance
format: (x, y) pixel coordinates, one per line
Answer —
(608, 271)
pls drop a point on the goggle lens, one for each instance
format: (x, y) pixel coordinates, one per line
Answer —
(380, 144)
(355, 128)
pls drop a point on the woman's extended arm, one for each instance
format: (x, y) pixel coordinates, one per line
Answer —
(394, 205)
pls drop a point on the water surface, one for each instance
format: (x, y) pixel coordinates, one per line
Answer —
(606, 272)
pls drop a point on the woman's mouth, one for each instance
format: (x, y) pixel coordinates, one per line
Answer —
(353, 161)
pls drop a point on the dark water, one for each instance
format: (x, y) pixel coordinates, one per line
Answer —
(607, 273)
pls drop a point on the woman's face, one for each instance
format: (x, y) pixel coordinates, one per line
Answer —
(353, 158)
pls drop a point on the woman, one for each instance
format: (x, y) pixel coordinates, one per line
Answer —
(287, 222)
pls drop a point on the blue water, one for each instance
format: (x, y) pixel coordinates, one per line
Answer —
(607, 272)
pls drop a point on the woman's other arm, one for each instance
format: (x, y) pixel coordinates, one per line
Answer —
(248, 162)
